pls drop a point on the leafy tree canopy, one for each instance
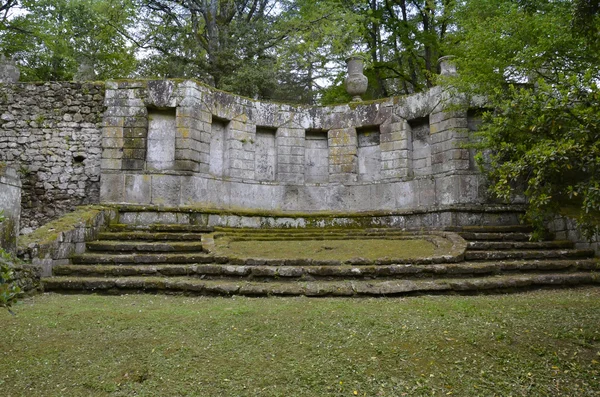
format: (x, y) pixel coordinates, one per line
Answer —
(54, 39)
(537, 65)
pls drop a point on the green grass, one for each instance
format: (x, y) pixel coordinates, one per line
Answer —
(332, 249)
(544, 343)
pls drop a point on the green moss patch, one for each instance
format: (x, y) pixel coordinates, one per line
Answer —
(339, 250)
(49, 232)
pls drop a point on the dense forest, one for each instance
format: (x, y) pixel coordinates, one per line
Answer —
(536, 63)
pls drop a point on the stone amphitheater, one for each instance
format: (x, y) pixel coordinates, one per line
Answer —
(173, 186)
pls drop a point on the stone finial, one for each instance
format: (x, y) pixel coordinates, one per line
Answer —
(356, 82)
(85, 72)
(9, 72)
(447, 66)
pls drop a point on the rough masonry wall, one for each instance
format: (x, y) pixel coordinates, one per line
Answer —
(51, 133)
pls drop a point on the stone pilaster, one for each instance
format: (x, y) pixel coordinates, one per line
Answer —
(125, 128)
(343, 159)
(290, 151)
(396, 150)
(449, 131)
(239, 149)
(192, 140)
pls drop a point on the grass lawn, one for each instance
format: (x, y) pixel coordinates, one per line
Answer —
(333, 249)
(542, 343)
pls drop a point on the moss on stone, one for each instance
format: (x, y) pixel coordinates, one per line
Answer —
(51, 231)
(330, 249)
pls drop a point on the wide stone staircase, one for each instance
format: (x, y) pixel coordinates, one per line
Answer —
(175, 258)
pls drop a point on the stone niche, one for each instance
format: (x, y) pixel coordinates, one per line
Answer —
(162, 129)
(218, 136)
(421, 151)
(369, 153)
(265, 157)
(316, 157)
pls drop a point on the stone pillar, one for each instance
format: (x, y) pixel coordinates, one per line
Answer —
(193, 128)
(343, 158)
(290, 151)
(396, 150)
(10, 204)
(449, 132)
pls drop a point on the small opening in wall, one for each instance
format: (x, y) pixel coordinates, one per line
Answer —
(78, 158)
(474, 118)
(420, 128)
(368, 135)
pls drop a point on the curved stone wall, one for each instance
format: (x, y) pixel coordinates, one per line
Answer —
(180, 143)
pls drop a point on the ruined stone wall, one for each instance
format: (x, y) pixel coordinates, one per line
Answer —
(51, 133)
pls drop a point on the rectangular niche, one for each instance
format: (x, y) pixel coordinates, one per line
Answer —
(316, 157)
(421, 151)
(160, 152)
(217, 154)
(265, 155)
(369, 153)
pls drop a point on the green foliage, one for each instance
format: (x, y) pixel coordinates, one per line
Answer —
(9, 291)
(539, 76)
(53, 39)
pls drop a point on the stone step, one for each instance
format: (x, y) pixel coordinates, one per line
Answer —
(159, 227)
(310, 230)
(144, 246)
(207, 271)
(512, 236)
(198, 286)
(491, 229)
(309, 237)
(517, 245)
(116, 258)
(527, 254)
(145, 258)
(150, 236)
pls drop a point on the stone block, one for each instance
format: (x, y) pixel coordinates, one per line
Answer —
(133, 164)
(290, 168)
(138, 188)
(426, 191)
(111, 164)
(136, 154)
(166, 190)
(290, 177)
(109, 153)
(112, 188)
(393, 155)
(346, 177)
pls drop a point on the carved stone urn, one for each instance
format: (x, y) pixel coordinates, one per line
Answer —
(447, 65)
(356, 82)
